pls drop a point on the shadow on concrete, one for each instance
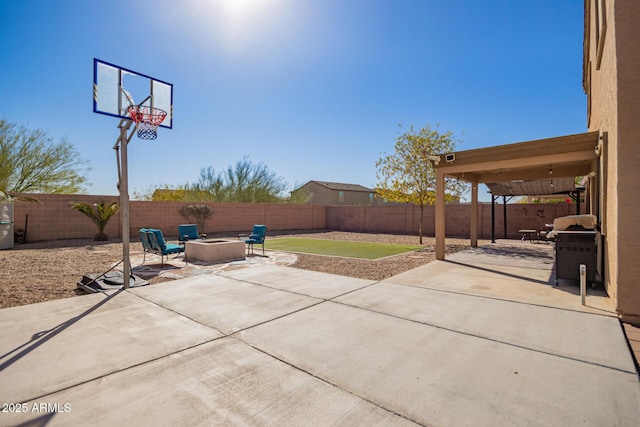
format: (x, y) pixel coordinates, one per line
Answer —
(41, 421)
(550, 281)
(42, 337)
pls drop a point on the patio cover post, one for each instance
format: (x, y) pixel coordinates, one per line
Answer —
(440, 214)
(474, 215)
(504, 215)
(592, 192)
(493, 218)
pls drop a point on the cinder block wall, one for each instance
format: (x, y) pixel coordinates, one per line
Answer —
(405, 219)
(54, 219)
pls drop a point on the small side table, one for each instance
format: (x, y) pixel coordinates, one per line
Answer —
(526, 234)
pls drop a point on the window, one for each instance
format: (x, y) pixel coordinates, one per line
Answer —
(341, 196)
(370, 197)
(601, 28)
(588, 94)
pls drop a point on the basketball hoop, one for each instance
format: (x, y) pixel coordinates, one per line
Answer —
(147, 120)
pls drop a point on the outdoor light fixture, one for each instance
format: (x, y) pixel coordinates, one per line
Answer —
(434, 159)
(550, 170)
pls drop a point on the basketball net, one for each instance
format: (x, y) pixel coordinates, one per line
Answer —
(147, 120)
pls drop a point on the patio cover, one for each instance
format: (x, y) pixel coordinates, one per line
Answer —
(544, 159)
(540, 187)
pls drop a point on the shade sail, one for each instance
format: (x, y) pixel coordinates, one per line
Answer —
(536, 187)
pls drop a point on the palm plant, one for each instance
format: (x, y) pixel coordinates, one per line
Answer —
(6, 196)
(99, 213)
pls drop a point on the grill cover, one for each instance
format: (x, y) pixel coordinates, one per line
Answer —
(563, 223)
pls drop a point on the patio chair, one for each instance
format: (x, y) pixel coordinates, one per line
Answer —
(257, 236)
(159, 246)
(188, 232)
(146, 243)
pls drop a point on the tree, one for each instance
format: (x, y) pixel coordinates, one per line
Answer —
(407, 176)
(171, 193)
(31, 162)
(244, 182)
(99, 213)
(196, 213)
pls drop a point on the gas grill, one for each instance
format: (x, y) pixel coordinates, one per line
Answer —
(576, 243)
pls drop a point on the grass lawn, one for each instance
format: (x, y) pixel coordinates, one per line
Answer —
(337, 247)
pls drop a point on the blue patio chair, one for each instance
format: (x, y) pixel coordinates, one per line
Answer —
(159, 246)
(188, 232)
(146, 243)
(257, 236)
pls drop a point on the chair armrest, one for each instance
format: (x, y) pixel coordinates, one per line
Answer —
(242, 235)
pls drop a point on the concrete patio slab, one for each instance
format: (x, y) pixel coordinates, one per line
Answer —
(224, 304)
(312, 283)
(441, 377)
(502, 282)
(468, 342)
(220, 383)
(49, 346)
(590, 338)
(509, 253)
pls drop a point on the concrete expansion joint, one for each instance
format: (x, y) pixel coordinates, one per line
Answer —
(234, 333)
(482, 337)
(299, 293)
(175, 312)
(352, 291)
(445, 291)
(262, 285)
(330, 383)
(117, 371)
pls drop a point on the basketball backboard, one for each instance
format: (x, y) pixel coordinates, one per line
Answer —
(116, 88)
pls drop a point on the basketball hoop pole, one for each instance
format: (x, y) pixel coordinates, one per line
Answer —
(123, 187)
(111, 98)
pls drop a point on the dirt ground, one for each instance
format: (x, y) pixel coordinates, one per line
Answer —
(43, 271)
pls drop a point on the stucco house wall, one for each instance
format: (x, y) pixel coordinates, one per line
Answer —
(612, 84)
(336, 193)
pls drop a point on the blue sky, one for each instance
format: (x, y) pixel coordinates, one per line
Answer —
(315, 89)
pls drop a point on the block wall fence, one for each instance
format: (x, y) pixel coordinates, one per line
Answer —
(54, 219)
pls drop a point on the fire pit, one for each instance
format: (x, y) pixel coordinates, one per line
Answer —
(215, 250)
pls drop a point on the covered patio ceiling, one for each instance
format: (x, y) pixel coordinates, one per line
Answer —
(564, 156)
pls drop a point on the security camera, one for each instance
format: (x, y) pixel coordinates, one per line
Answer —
(434, 159)
(598, 149)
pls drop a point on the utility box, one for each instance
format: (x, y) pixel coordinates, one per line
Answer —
(572, 249)
(6, 224)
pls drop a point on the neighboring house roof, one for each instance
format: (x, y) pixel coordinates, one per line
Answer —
(341, 186)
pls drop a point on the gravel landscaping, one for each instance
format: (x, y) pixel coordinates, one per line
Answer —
(36, 272)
